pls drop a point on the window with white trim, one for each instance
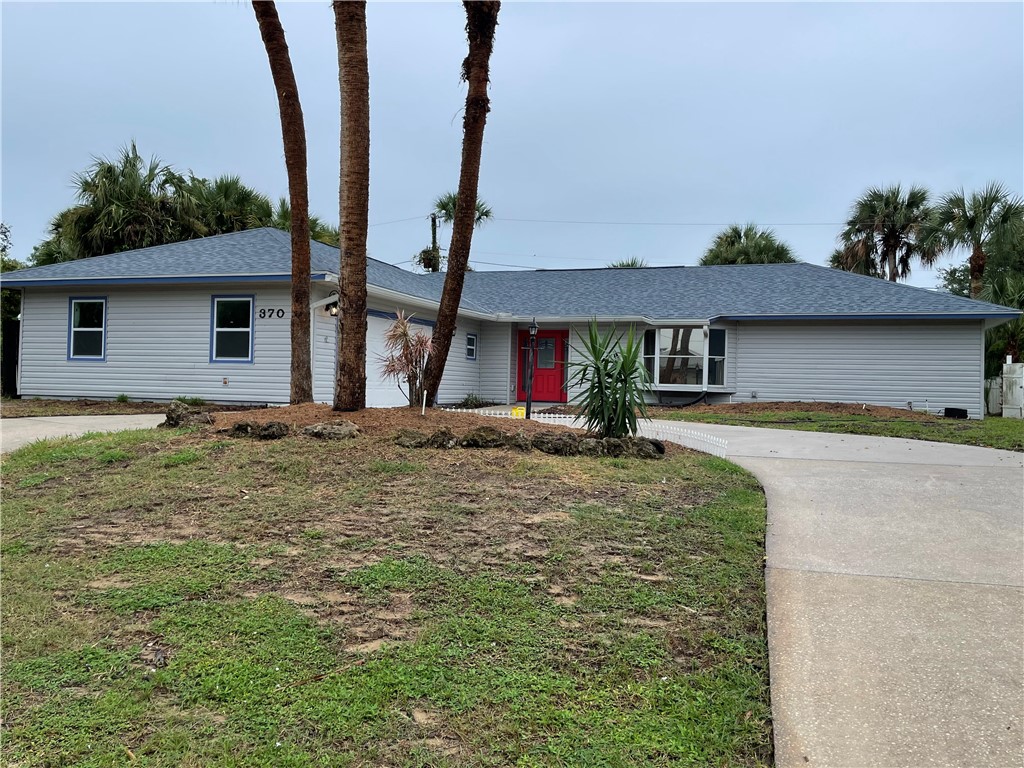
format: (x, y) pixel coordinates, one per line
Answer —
(675, 357)
(87, 329)
(232, 329)
(471, 346)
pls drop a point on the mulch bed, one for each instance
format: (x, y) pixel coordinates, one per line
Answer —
(379, 421)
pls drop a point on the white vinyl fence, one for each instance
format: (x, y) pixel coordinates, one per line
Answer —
(656, 430)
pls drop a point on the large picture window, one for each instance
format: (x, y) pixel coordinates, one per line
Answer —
(676, 357)
(87, 329)
(231, 333)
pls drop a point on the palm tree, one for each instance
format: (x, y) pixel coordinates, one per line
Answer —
(281, 218)
(293, 132)
(444, 207)
(748, 244)
(430, 259)
(982, 221)
(227, 205)
(887, 226)
(631, 262)
(854, 262)
(354, 80)
(1006, 339)
(481, 21)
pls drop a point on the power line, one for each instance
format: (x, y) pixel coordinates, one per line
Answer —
(673, 223)
(398, 221)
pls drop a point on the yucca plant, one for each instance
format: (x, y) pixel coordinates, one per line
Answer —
(406, 358)
(613, 380)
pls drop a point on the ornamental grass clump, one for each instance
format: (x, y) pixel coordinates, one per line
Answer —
(613, 380)
(406, 358)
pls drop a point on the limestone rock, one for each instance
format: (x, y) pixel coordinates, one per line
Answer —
(272, 430)
(411, 438)
(342, 430)
(642, 448)
(519, 441)
(443, 438)
(483, 437)
(181, 414)
(590, 446)
(557, 443)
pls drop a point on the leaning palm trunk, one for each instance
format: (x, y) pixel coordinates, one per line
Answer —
(481, 20)
(354, 80)
(293, 131)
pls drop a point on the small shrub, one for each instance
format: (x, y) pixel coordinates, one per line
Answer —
(190, 400)
(613, 380)
(406, 359)
(122, 398)
(472, 400)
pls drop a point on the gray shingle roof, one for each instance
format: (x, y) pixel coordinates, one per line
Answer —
(659, 293)
(754, 290)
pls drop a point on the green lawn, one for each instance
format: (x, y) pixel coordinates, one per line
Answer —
(992, 432)
(171, 600)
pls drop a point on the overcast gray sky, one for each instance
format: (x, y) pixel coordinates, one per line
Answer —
(686, 113)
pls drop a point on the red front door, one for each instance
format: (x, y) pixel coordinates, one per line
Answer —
(549, 366)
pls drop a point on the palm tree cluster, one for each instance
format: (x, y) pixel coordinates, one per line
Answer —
(130, 202)
(890, 228)
(747, 244)
(430, 258)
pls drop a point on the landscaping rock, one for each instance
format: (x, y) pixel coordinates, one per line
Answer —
(591, 446)
(557, 443)
(410, 438)
(181, 414)
(242, 429)
(484, 437)
(272, 430)
(641, 448)
(613, 446)
(443, 438)
(519, 441)
(342, 430)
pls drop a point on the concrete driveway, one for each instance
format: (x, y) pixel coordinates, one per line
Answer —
(895, 581)
(14, 433)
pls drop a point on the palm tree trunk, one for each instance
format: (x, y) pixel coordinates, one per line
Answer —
(481, 20)
(354, 81)
(977, 264)
(293, 132)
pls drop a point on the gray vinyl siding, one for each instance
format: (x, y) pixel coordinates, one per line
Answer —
(461, 376)
(157, 346)
(325, 340)
(932, 365)
(496, 362)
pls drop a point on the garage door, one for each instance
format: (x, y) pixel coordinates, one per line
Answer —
(380, 393)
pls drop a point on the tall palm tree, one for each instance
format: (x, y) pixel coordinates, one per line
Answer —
(1006, 339)
(293, 133)
(227, 205)
(748, 244)
(445, 205)
(481, 21)
(888, 226)
(430, 259)
(354, 80)
(857, 263)
(980, 222)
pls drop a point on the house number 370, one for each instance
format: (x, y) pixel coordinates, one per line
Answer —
(265, 313)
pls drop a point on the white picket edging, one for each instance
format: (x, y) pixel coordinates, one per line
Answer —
(688, 438)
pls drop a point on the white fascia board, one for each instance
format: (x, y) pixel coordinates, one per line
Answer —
(415, 301)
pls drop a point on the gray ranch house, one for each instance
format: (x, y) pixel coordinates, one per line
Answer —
(209, 318)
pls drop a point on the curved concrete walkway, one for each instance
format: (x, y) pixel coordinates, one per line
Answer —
(15, 433)
(895, 581)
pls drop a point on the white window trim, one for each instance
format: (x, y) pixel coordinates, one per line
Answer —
(654, 385)
(71, 328)
(475, 346)
(251, 330)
